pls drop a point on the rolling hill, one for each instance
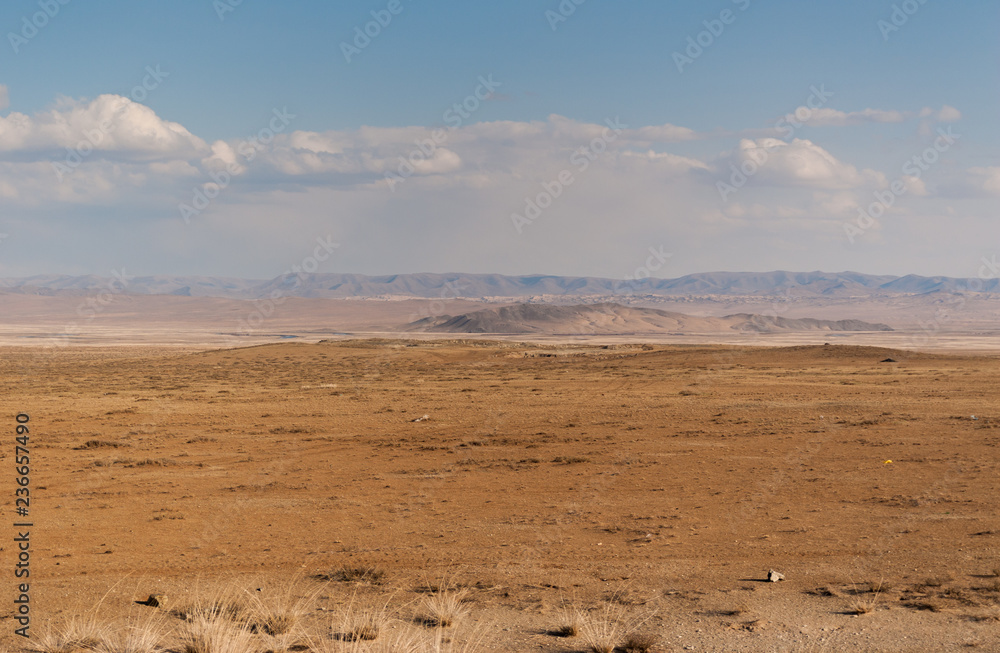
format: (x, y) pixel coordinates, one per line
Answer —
(606, 319)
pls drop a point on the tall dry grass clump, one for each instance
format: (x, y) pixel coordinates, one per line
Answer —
(445, 607)
(569, 623)
(610, 628)
(78, 632)
(135, 634)
(224, 602)
(601, 634)
(218, 635)
(363, 621)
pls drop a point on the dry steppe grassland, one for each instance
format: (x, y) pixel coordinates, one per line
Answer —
(393, 495)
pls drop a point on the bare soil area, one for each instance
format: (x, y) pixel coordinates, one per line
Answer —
(648, 486)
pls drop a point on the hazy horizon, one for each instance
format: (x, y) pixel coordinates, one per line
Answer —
(984, 266)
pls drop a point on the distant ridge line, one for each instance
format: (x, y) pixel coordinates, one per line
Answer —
(478, 286)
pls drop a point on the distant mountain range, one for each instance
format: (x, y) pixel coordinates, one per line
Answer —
(607, 319)
(490, 286)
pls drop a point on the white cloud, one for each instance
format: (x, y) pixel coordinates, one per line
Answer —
(108, 125)
(986, 179)
(949, 114)
(454, 209)
(914, 185)
(945, 114)
(980, 182)
(661, 134)
(666, 161)
(825, 117)
(797, 163)
(465, 154)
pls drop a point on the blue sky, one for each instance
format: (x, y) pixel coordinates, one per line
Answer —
(831, 190)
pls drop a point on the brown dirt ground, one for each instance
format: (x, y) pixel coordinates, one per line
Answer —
(651, 480)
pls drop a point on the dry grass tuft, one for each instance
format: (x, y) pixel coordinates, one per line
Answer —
(78, 633)
(363, 622)
(202, 635)
(225, 602)
(279, 643)
(570, 627)
(865, 599)
(569, 630)
(445, 608)
(470, 641)
(135, 635)
(864, 604)
(279, 611)
(603, 632)
(641, 642)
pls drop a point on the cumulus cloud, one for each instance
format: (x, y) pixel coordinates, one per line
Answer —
(464, 154)
(457, 185)
(945, 114)
(930, 118)
(108, 126)
(642, 186)
(797, 163)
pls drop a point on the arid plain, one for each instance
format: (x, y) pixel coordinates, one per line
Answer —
(649, 486)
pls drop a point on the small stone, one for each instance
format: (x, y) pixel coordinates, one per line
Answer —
(774, 577)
